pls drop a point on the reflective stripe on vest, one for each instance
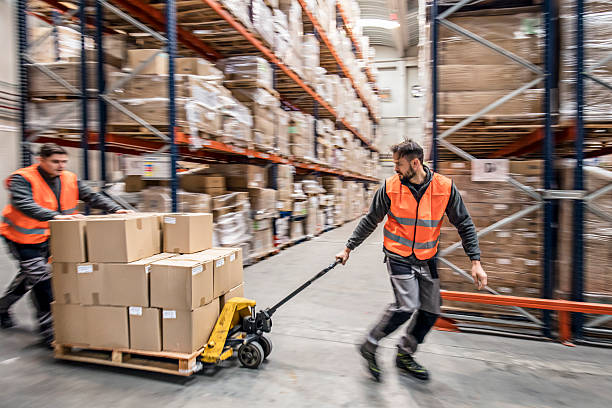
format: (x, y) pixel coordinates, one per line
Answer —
(413, 227)
(22, 229)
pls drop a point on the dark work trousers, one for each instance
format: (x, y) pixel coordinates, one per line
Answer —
(34, 276)
(417, 293)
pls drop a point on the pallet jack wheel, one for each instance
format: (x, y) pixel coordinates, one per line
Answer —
(251, 355)
(266, 345)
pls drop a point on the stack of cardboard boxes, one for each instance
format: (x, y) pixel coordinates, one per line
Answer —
(511, 254)
(125, 293)
(473, 76)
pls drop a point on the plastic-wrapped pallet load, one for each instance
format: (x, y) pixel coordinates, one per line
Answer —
(597, 46)
(310, 53)
(301, 135)
(511, 254)
(264, 108)
(159, 200)
(262, 15)
(246, 71)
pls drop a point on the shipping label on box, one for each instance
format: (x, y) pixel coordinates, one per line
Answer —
(221, 268)
(234, 259)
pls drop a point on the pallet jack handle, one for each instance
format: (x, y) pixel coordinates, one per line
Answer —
(270, 311)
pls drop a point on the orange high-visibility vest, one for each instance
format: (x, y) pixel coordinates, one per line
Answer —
(22, 229)
(413, 227)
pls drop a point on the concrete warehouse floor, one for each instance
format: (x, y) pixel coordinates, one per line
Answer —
(315, 362)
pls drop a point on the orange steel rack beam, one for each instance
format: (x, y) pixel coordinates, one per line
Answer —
(563, 307)
(332, 50)
(212, 150)
(358, 50)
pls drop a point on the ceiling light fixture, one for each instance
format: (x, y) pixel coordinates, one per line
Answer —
(380, 23)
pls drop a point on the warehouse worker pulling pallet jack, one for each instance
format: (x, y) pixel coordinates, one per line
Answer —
(414, 200)
(39, 193)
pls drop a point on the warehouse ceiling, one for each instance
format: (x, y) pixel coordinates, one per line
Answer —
(401, 38)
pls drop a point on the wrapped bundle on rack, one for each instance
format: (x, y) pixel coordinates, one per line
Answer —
(262, 15)
(246, 72)
(264, 108)
(240, 10)
(237, 123)
(159, 200)
(597, 46)
(311, 59)
(301, 135)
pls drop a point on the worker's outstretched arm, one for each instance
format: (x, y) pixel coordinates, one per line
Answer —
(97, 200)
(378, 210)
(459, 216)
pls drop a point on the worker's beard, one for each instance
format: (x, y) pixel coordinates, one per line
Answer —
(408, 175)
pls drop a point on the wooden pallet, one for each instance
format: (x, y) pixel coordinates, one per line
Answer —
(181, 364)
(263, 255)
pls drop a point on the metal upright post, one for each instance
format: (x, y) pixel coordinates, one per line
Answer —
(547, 290)
(315, 130)
(84, 95)
(55, 18)
(22, 38)
(578, 248)
(101, 89)
(171, 48)
(434, 84)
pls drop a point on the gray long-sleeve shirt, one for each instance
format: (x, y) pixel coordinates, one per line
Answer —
(455, 210)
(21, 197)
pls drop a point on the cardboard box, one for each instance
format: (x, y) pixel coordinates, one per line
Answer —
(181, 284)
(159, 65)
(186, 331)
(145, 328)
(263, 241)
(238, 291)
(68, 241)
(196, 66)
(128, 284)
(187, 233)
(469, 102)
(69, 324)
(107, 326)
(262, 199)
(483, 77)
(122, 238)
(91, 284)
(134, 184)
(234, 256)
(245, 176)
(222, 264)
(65, 283)
(199, 183)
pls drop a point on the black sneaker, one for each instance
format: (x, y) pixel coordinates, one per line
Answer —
(408, 365)
(370, 357)
(6, 321)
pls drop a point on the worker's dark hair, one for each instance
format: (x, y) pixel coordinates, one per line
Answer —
(408, 149)
(49, 149)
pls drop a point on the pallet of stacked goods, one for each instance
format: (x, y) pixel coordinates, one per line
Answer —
(334, 186)
(597, 234)
(301, 136)
(325, 136)
(314, 218)
(511, 255)
(597, 109)
(292, 48)
(122, 302)
(265, 110)
(472, 76)
(263, 214)
(198, 90)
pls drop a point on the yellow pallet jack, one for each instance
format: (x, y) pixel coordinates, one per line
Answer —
(240, 329)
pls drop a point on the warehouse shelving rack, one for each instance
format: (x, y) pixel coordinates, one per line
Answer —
(544, 135)
(135, 15)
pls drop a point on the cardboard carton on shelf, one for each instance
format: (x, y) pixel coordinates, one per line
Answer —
(158, 66)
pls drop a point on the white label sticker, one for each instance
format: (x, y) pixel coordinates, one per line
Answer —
(500, 206)
(197, 270)
(85, 269)
(530, 262)
(219, 263)
(504, 234)
(169, 314)
(490, 169)
(232, 257)
(135, 311)
(169, 220)
(530, 235)
(504, 261)
(148, 268)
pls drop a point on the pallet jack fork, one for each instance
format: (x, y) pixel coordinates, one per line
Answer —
(241, 329)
